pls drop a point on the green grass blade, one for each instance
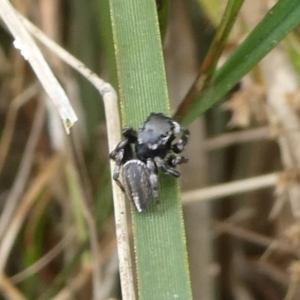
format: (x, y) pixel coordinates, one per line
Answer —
(279, 21)
(212, 57)
(163, 10)
(212, 9)
(161, 258)
(219, 42)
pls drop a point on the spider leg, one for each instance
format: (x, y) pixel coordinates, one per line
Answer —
(121, 146)
(129, 133)
(123, 153)
(153, 178)
(164, 167)
(130, 137)
(173, 160)
(116, 174)
(180, 145)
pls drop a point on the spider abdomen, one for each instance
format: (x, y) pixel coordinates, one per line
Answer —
(136, 178)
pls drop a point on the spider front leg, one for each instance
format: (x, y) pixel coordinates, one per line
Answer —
(130, 138)
(173, 160)
(121, 146)
(179, 147)
(164, 167)
(118, 155)
(130, 134)
(123, 153)
(116, 174)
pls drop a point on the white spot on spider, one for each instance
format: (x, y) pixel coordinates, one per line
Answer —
(152, 147)
(136, 201)
(176, 129)
(166, 138)
(180, 147)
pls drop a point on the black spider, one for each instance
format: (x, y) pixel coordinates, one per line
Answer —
(143, 152)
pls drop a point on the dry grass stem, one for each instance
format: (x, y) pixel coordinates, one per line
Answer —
(81, 209)
(253, 237)
(229, 139)
(281, 80)
(113, 132)
(232, 188)
(10, 121)
(75, 285)
(31, 52)
(50, 170)
(110, 278)
(23, 172)
(43, 261)
(9, 290)
(276, 274)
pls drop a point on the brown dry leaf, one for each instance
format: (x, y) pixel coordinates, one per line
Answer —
(292, 233)
(293, 100)
(288, 182)
(246, 105)
(294, 270)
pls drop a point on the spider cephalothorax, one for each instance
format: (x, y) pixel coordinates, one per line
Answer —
(143, 152)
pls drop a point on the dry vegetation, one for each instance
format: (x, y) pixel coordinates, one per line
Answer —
(57, 234)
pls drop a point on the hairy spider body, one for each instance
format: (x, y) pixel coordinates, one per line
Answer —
(139, 185)
(145, 151)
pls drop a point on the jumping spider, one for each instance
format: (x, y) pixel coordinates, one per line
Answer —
(145, 151)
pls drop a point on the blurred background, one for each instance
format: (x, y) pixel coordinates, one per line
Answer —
(241, 245)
